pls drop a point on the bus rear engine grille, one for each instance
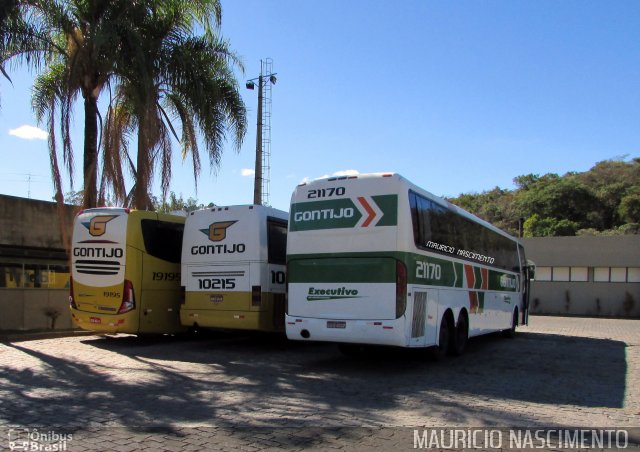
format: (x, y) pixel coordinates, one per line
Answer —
(89, 267)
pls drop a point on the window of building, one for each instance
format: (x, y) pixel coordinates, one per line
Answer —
(560, 273)
(601, 274)
(30, 275)
(543, 274)
(618, 274)
(633, 274)
(579, 274)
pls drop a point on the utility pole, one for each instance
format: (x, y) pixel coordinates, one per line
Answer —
(257, 184)
(265, 81)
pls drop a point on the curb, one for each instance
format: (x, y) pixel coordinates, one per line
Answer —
(33, 336)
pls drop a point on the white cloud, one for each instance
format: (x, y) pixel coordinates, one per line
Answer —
(247, 172)
(29, 133)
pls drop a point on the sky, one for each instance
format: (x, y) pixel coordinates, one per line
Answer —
(457, 96)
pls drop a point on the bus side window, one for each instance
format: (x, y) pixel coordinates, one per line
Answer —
(277, 241)
(163, 239)
(415, 219)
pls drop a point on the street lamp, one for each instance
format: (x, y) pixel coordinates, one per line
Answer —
(261, 80)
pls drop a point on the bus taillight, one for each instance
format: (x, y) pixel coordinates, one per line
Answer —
(128, 298)
(401, 288)
(183, 295)
(72, 301)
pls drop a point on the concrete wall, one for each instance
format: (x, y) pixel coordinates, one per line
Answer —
(32, 223)
(32, 232)
(24, 309)
(589, 298)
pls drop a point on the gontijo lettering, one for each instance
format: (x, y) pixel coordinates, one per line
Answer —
(325, 214)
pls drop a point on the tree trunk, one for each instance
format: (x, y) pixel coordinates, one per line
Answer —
(90, 164)
(141, 197)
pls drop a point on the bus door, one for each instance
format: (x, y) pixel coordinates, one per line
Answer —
(423, 317)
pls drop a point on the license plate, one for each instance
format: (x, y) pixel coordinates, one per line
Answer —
(95, 320)
(334, 324)
(216, 298)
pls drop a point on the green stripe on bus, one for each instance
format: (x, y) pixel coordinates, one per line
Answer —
(343, 270)
(421, 270)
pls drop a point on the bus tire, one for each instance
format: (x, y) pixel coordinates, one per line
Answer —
(511, 332)
(444, 338)
(461, 335)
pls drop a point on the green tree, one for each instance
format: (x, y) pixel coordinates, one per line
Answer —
(175, 203)
(81, 41)
(562, 198)
(535, 226)
(629, 207)
(176, 77)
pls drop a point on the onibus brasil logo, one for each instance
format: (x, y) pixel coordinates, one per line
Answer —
(361, 212)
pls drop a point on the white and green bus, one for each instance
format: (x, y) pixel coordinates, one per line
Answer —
(233, 268)
(374, 259)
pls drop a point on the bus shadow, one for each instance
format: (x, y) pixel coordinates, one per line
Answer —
(540, 368)
(237, 379)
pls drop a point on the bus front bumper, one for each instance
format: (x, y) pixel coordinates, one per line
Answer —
(105, 323)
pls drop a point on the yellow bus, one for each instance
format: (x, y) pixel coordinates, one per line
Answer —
(233, 268)
(125, 271)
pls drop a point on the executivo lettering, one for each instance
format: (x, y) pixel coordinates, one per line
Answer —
(331, 294)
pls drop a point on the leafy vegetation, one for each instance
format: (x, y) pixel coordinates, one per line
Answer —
(602, 201)
(172, 204)
(166, 63)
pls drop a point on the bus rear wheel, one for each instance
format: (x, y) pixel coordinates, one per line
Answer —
(461, 336)
(511, 332)
(444, 339)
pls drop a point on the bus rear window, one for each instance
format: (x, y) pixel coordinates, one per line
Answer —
(163, 239)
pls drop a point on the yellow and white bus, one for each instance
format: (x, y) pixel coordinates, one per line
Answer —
(125, 271)
(233, 268)
(374, 259)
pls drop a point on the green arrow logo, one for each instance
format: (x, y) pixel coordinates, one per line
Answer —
(345, 213)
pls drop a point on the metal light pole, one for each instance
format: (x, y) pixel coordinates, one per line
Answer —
(257, 183)
(263, 126)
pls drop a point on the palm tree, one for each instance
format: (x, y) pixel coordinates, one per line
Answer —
(22, 34)
(175, 77)
(80, 41)
(94, 33)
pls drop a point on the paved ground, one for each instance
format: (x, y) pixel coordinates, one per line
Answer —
(254, 392)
